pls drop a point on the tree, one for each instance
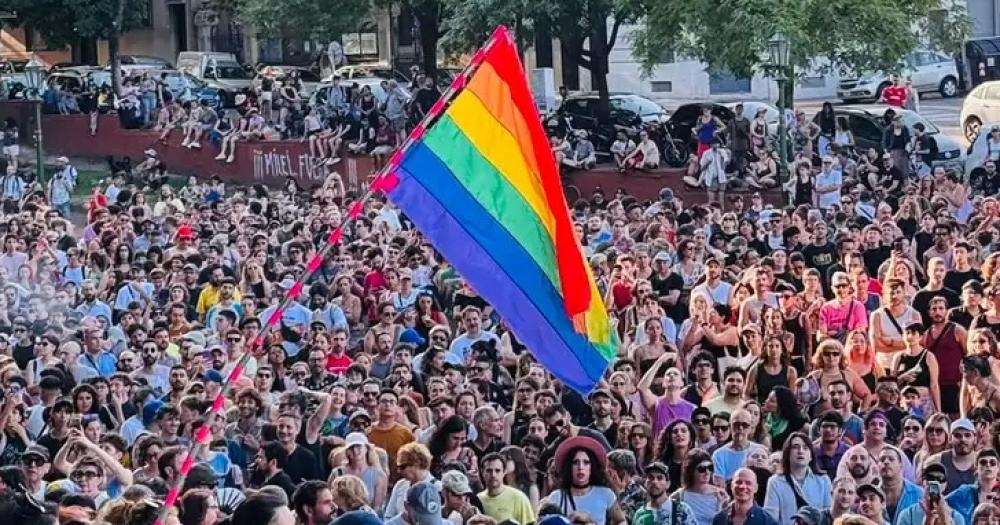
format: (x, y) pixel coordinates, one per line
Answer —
(587, 31)
(306, 19)
(65, 22)
(861, 35)
(430, 15)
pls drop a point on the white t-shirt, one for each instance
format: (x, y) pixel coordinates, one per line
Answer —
(831, 198)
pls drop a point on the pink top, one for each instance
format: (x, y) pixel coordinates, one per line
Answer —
(834, 317)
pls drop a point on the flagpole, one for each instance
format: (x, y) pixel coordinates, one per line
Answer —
(381, 182)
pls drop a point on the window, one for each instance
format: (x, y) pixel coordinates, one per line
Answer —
(661, 86)
(364, 42)
(724, 82)
(863, 128)
(992, 93)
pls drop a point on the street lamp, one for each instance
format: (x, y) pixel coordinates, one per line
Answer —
(33, 71)
(778, 50)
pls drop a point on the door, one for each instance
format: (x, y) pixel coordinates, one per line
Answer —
(923, 73)
(866, 133)
(991, 104)
(178, 27)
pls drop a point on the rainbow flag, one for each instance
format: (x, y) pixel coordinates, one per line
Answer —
(481, 183)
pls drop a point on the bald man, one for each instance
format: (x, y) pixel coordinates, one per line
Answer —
(744, 510)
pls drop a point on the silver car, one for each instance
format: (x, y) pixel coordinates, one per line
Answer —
(982, 104)
(930, 72)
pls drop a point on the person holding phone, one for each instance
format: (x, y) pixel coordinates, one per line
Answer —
(933, 506)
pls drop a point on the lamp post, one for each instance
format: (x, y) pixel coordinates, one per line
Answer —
(33, 72)
(778, 51)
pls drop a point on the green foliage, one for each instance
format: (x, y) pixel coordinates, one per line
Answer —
(308, 19)
(470, 22)
(62, 22)
(733, 34)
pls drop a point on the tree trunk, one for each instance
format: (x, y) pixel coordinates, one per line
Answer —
(430, 32)
(599, 61)
(570, 45)
(116, 67)
(543, 43)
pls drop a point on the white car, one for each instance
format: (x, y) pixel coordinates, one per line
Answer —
(982, 104)
(929, 70)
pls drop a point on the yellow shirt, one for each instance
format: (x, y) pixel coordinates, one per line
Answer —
(509, 504)
(209, 297)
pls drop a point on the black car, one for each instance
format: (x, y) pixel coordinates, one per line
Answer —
(684, 119)
(867, 124)
(627, 110)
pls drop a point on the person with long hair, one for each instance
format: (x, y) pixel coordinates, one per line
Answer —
(936, 439)
(770, 371)
(782, 415)
(361, 461)
(797, 481)
(672, 447)
(705, 499)
(979, 388)
(580, 464)
(519, 474)
(447, 445)
(758, 424)
(641, 443)
(350, 493)
(830, 363)
(862, 358)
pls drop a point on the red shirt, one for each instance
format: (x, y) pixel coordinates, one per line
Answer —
(894, 96)
(338, 365)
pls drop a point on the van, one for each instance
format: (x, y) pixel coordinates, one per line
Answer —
(219, 70)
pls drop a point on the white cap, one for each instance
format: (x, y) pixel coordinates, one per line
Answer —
(355, 438)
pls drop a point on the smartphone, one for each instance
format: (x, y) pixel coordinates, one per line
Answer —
(76, 421)
(934, 491)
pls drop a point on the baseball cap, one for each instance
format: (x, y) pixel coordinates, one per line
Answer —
(868, 487)
(661, 256)
(355, 438)
(359, 413)
(214, 376)
(962, 424)
(658, 466)
(36, 451)
(423, 504)
(808, 515)
(149, 411)
(600, 392)
(456, 482)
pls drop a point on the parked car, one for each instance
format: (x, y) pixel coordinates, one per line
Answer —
(750, 109)
(867, 125)
(72, 78)
(977, 152)
(982, 104)
(372, 70)
(627, 109)
(929, 70)
(185, 87)
(219, 70)
(375, 84)
(684, 119)
(310, 80)
(144, 62)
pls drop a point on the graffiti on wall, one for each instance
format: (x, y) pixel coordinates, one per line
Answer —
(280, 163)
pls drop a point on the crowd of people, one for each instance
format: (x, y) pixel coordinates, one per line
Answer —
(815, 363)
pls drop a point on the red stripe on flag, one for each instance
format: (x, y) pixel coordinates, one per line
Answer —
(315, 262)
(172, 496)
(275, 317)
(204, 433)
(356, 210)
(188, 463)
(219, 402)
(295, 290)
(335, 237)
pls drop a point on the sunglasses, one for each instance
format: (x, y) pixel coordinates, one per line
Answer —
(33, 462)
(936, 430)
(84, 474)
(988, 462)
(700, 421)
(911, 428)
(720, 428)
(705, 467)
(740, 424)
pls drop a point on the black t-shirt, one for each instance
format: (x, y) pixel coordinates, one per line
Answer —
(24, 354)
(927, 142)
(961, 316)
(923, 297)
(954, 279)
(874, 257)
(662, 286)
(302, 465)
(51, 443)
(426, 97)
(820, 257)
